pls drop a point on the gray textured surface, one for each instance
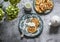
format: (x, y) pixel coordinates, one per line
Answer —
(9, 30)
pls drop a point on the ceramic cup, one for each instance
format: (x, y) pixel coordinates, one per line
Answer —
(55, 21)
(27, 7)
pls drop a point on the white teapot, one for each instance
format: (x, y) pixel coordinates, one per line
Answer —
(55, 21)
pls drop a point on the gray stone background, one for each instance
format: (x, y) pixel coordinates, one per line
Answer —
(9, 30)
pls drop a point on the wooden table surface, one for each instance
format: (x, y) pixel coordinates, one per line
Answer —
(9, 30)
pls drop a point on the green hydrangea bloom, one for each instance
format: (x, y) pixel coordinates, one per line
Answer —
(14, 2)
(12, 12)
(1, 14)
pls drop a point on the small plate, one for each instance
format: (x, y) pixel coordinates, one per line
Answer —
(23, 28)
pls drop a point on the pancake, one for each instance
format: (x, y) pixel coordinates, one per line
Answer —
(32, 29)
